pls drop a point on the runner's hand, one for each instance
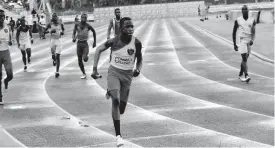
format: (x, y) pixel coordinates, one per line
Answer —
(32, 41)
(136, 73)
(74, 40)
(95, 74)
(10, 43)
(94, 45)
(251, 43)
(236, 47)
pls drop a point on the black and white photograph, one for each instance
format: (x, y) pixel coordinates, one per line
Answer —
(137, 73)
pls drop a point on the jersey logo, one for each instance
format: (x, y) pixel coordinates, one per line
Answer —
(130, 51)
(6, 30)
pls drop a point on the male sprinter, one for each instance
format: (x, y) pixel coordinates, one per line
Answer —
(5, 58)
(125, 50)
(246, 27)
(56, 31)
(82, 28)
(114, 23)
(23, 36)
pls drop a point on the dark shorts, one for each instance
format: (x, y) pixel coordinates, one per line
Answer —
(5, 59)
(120, 80)
(82, 48)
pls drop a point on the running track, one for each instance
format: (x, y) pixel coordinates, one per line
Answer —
(188, 95)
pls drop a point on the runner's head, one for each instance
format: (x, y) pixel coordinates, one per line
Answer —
(2, 16)
(126, 26)
(84, 18)
(54, 18)
(117, 13)
(245, 11)
(22, 21)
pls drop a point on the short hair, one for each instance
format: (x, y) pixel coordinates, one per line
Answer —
(2, 11)
(84, 13)
(123, 20)
(116, 9)
(244, 7)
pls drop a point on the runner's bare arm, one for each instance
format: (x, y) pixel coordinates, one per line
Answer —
(100, 49)
(236, 25)
(109, 29)
(253, 31)
(30, 32)
(48, 27)
(17, 36)
(138, 55)
(74, 32)
(94, 34)
(63, 29)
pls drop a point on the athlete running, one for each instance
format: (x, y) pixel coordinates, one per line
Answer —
(125, 50)
(56, 31)
(24, 40)
(114, 23)
(5, 58)
(82, 29)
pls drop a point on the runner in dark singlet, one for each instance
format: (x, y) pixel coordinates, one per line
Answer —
(82, 29)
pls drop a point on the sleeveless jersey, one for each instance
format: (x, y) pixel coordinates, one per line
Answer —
(4, 38)
(245, 26)
(58, 30)
(24, 36)
(83, 31)
(124, 58)
(116, 26)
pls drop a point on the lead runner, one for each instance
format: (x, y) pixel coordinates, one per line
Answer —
(125, 50)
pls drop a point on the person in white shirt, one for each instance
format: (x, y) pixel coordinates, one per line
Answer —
(246, 26)
(42, 23)
(56, 31)
(5, 58)
(24, 41)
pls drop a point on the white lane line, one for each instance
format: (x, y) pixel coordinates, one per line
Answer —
(183, 30)
(176, 56)
(64, 40)
(259, 56)
(218, 60)
(72, 116)
(165, 117)
(12, 138)
(16, 72)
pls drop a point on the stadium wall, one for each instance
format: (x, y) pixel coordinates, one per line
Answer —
(265, 16)
(150, 11)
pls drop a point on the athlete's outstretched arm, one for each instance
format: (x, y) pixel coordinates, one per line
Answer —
(48, 27)
(98, 51)
(74, 32)
(30, 32)
(17, 36)
(236, 25)
(139, 55)
(94, 35)
(253, 31)
(109, 29)
(63, 29)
